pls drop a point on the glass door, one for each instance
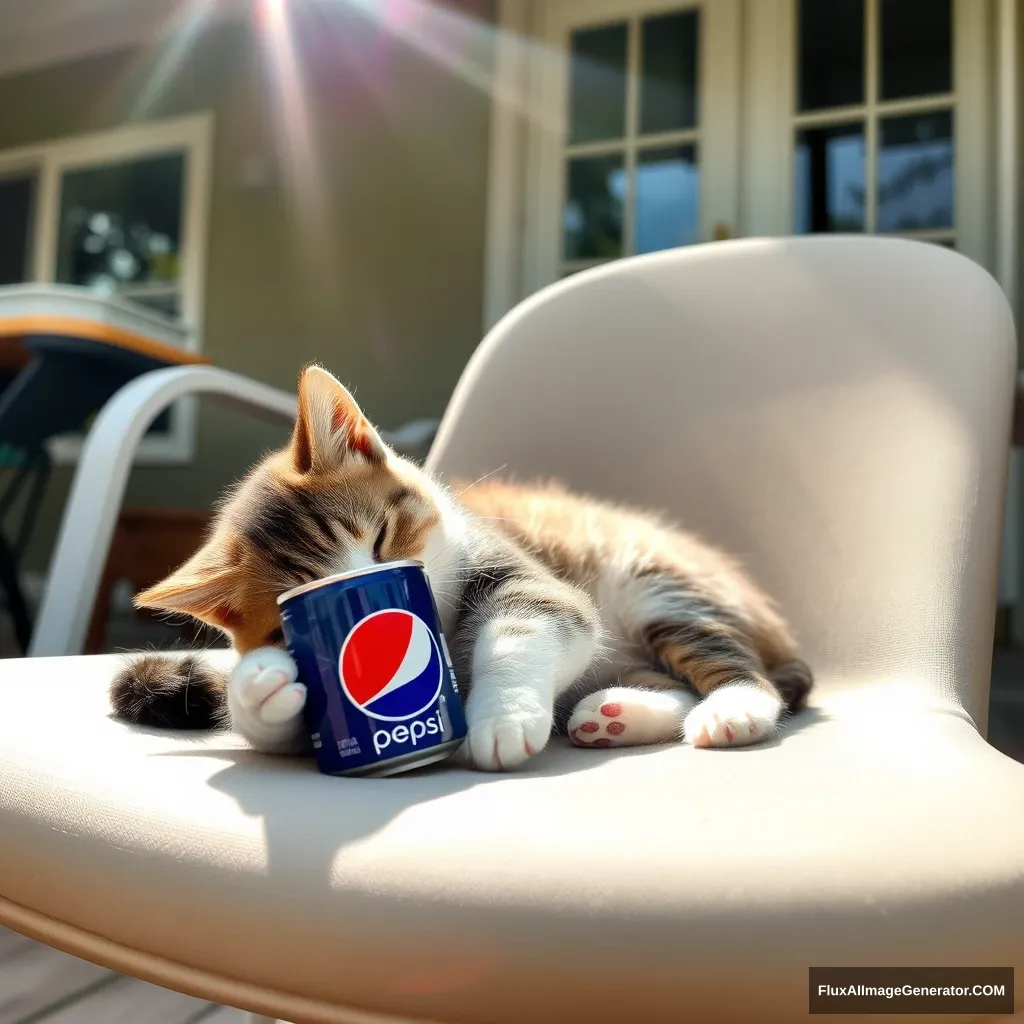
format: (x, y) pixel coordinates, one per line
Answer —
(874, 146)
(639, 151)
(889, 121)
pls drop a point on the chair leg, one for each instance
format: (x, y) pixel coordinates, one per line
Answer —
(15, 599)
(40, 465)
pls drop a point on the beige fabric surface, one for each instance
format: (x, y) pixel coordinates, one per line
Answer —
(834, 410)
(837, 412)
(597, 886)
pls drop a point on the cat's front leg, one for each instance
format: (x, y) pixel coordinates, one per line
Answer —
(265, 702)
(531, 639)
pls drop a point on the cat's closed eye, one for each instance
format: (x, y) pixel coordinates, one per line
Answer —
(378, 544)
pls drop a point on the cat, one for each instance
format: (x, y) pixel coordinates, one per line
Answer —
(560, 610)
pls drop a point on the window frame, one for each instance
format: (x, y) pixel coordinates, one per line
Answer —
(49, 161)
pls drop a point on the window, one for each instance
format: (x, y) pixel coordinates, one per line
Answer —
(120, 213)
(120, 230)
(630, 164)
(874, 126)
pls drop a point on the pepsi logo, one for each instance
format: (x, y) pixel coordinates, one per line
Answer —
(390, 666)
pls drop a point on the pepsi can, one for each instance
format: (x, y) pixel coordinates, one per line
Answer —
(381, 691)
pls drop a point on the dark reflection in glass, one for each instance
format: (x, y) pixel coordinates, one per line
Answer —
(668, 86)
(828, 175)
(915, 172)
(597, 90)
(595, 194)
(667, 198)
(831, 62)
(120, 224)
(917, 47)
(17, 203)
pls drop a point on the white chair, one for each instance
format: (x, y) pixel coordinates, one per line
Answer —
(835, 411)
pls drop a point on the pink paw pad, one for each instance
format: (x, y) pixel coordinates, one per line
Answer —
(611, 710)
(583, 734)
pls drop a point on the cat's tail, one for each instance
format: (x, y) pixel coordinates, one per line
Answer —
(794, 680)
(165, 692)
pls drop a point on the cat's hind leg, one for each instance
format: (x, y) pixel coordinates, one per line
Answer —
(715, 650)
(646, 707)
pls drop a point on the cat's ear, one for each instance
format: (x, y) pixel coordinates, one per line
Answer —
(204, 587)
(330, 427)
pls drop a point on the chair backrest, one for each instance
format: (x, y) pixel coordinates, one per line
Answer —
(833, 410)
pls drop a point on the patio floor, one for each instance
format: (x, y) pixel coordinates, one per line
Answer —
(39, 985)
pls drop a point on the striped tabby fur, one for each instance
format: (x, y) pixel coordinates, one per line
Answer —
(560, 610)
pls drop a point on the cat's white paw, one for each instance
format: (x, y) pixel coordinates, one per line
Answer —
(624, 717)
(733, 715)
(503, 736)
(266, 702)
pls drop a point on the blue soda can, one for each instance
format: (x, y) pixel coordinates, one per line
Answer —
(382, 696)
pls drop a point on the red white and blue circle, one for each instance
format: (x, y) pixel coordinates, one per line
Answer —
(390, 666)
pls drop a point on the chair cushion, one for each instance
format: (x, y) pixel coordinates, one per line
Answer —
(649, 884)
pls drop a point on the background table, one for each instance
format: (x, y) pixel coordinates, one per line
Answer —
(63, 352)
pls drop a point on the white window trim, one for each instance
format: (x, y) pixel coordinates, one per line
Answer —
(506, 178)
(194, 135)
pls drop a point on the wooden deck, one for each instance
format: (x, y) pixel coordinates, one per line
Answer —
(39, 985)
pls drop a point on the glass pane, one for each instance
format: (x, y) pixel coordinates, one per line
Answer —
(120, 225)
(917, 47)
(668, 87)
(667, 195)
(593, 210)
(915, 172)
(831, 64)
(17, 198)
(829, 179)
(597, 92)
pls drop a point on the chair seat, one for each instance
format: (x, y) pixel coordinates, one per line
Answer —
(600, 885)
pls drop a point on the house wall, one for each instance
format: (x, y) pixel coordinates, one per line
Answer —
(384, 280)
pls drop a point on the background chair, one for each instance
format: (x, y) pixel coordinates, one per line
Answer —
(26, 471)
(837, 412)
(63, 352)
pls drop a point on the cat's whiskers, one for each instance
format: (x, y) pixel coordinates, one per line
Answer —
(480, 480)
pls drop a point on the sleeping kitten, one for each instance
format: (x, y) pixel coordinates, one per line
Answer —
(635, 632)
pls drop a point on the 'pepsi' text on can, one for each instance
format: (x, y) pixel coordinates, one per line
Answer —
(381, 692)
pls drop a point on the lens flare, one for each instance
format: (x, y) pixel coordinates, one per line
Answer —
(305, 194)
(352, 51)
(151, 75)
